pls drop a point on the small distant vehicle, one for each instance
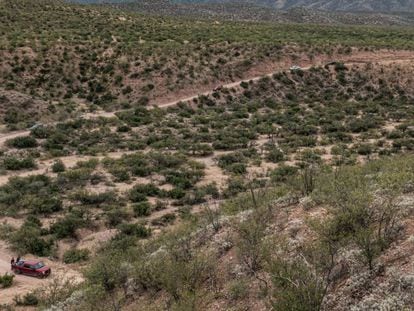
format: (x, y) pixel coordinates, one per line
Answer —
(295, 68)
(35, 126)
(32, 268)
(218, 88)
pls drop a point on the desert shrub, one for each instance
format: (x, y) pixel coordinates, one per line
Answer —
(164, 220)
(340, 66)
(136, 196)
(275, 155)
(237, 168)
(282, 173)
(66, 227)
(178, 270)
(6, 280)
(123, 128)
(136, 230)
(56, 291)
(105, 272)
(146, 189)
(75, 255)
(233, 162)
(244, 85)
(250, 240)
(234, 186)
(121, 174)
(115, 216)
(96, 199)
(22, 142)
(139, 116)
(45, 205)
(27, 239)
(58, 166)
(364, 205)
(36, 193)
(56, 141)
(362, 125)
(296, 286)
(29, 299)
(183, 178)
(238, 289)
(364, 149)
(15, 164)
(142, 209)
(88, 164)
(40, 132)
(176, 193)
(74, 177)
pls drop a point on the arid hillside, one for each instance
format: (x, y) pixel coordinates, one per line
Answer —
(160, 163)
(251, 11)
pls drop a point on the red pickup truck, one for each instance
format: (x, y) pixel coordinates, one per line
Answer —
(33, 268)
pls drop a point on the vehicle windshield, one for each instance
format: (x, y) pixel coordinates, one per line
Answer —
(39, 265)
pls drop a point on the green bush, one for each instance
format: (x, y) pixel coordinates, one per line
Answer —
(45, 205)
(15, 164)
(237, 168)
(142, 209)
(96, 199)
(297, 287)
(58, 166)
(29, 299)
(121, 174)
(146, 189)
(275, 155)
(22, 142)
(75, 255)
(115, 216)
(282, 173)
(28, 240)
(136, 196)
(6, 280)
(66, 227)
(136, 230)
(36, 193)
(364, 149)
(41, 132)
(164, 220)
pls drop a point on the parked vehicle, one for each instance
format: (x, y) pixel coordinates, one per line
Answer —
(35, 126)
(295, 68)
(32, 268)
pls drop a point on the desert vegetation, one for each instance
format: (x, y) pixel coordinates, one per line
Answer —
(106, 58)
(292, 191)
